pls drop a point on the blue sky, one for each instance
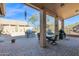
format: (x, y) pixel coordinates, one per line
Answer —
(72, 20)
(16, 11)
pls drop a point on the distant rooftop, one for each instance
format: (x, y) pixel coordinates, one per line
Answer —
(12, 21)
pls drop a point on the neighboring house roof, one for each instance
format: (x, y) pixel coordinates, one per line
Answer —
(12, 21)
(76, 28)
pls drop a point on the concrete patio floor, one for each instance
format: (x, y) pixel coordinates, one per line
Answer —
(31, 47)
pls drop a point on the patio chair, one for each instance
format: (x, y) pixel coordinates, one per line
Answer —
(52, 40)
(38, 34)
(62, 34)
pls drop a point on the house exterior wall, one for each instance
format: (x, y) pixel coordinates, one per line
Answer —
(9, 29)
(13, 27)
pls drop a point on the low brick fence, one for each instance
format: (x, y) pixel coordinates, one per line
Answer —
(72, 35)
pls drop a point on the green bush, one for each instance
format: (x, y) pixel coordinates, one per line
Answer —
(1, 32)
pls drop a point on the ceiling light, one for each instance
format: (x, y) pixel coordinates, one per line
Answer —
(62, 4)
(77, 11)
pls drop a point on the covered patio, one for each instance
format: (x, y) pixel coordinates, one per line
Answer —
(32, 46)
(60, 11)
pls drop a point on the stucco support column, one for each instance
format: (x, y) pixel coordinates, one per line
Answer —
(43, 28)
(62, 24)
(56, 26)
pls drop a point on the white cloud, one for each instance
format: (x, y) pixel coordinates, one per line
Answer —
(13, 12)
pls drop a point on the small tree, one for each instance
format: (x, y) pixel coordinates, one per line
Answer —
(33, 20)
(1, 30)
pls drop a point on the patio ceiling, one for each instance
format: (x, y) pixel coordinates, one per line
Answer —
(2, 9)
(63, 10)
